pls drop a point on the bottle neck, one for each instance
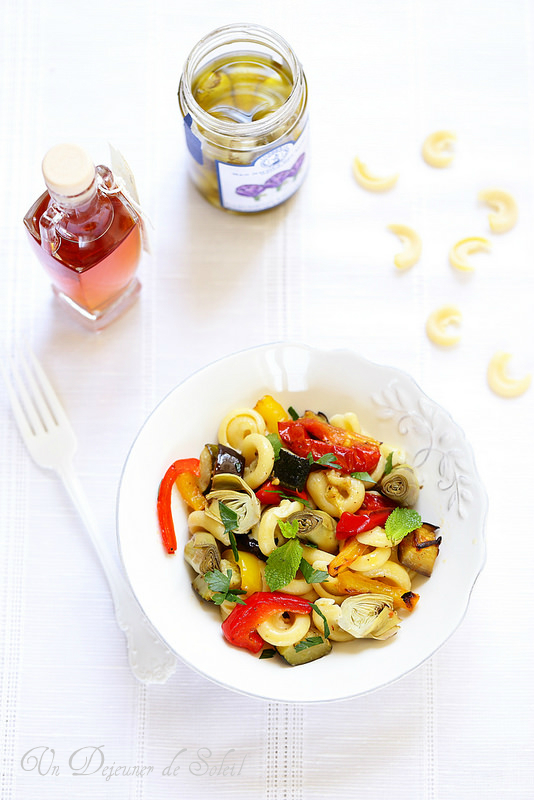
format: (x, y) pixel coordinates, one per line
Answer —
(81, 219)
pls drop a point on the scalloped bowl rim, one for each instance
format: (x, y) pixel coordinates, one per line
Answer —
(388, 401)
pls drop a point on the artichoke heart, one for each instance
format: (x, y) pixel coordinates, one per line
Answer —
(236, 494)
(401, 485)
(202, 553)
(368, 616)
(317, 527)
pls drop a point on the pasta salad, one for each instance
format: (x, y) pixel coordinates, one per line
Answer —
(302, 530)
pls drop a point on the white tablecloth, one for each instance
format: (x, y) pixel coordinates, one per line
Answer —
(318, 270)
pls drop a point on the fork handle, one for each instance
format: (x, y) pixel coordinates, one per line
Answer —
(150, 659)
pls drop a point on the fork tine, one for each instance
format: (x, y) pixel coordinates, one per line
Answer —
(48, 391)
(35, 395)
(26, 428)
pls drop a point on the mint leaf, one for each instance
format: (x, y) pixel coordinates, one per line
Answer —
(282, 565)
(310, 641)
(312, 575)
(292, 413)
(288, 529)
(328, 460)
(362, 476)
(389, 463)
(276, 443)
(325, 622)
(400, 523)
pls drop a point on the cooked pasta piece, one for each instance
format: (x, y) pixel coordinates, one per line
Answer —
(348, 421)
(267, 530)
(279, 631)
(335, 493)
(331, 611)
(239, 424)
(259, 459)
(200, 521)
(392, 572)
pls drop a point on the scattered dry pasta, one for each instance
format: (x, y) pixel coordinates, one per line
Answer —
(505, 209)
(437, 148)
(501, 382)
(438, 323)
(411, 253)
(460, 252)
(372, 182)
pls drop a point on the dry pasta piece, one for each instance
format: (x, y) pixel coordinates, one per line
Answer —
(500, 381)
(505, 212)
(437, 325)
(372, 182)
(461, 251)
(437, 148)
(411, 240)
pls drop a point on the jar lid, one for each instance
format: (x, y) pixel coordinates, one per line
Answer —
(68, 170)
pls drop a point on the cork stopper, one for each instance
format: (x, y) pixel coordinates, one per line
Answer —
(68, 170)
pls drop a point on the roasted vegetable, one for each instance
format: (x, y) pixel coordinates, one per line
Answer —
(236, 494)
(401, 485)
(201, 552)
(310, 648)
(291, 470)
(316, 527)
(419, 549)
(216, 459)
(272, 412)
(368, 616)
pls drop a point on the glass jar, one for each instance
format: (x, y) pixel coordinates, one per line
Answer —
(243, 97)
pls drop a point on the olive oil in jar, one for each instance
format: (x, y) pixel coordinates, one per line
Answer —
(247, 88)
(243, 96)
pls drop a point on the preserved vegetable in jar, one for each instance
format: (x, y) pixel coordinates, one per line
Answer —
(243, 96)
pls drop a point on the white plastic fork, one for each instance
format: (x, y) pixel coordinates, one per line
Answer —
(51, 441)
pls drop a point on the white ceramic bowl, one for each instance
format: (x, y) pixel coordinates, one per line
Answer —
(391, 407)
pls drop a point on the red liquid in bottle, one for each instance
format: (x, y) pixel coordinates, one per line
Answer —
(93, 276)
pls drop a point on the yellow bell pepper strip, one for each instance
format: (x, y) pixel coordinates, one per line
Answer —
(272, 412)
(350, 582)
(239, 628)
(251, 572)
(166, 524)
(352, 550)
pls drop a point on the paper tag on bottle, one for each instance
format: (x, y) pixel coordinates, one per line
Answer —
(126, 181)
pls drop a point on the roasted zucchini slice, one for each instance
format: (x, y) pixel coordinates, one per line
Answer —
(291, 470)
(306, 650)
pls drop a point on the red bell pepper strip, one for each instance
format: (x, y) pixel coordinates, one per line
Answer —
(271, 493)
(239, 628)
(352, 524)
(354, 453)
(166, 524)
(374, 501)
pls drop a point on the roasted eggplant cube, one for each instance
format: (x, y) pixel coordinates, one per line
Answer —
(419, 549)
(291, 470)
(301, 653)
(215, 459)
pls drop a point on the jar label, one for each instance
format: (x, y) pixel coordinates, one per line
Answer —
(266, 182)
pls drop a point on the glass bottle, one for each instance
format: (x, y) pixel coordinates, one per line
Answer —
(87, 236)
(243, 96)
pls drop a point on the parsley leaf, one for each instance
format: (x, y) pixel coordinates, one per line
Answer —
(230, 521)
(276, 443)
(312, 575)
(401, 522)
(325, 622)
(362, 476)
(288, 529)
(292, 413)
(389, 463)
(328, 460)
(268, 653)
(220, 584)
(310, 641)
(282, 565)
